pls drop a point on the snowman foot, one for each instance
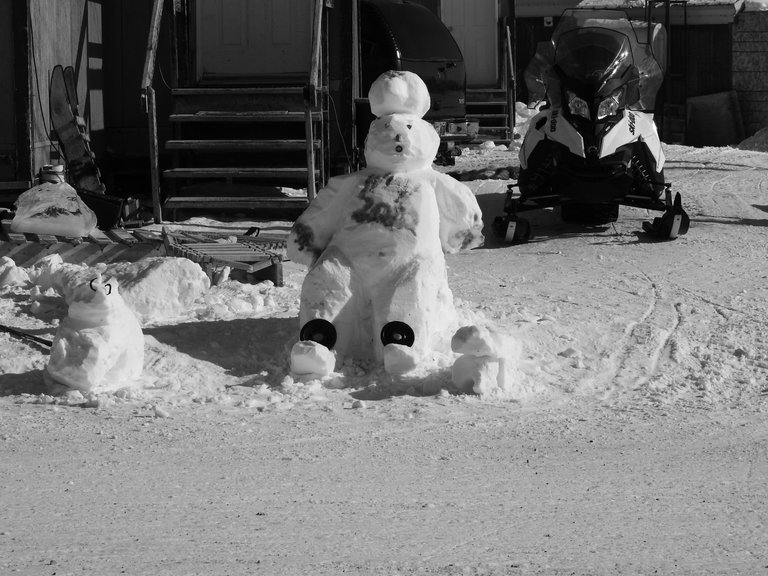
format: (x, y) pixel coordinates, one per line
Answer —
(320, 331)
(399, 359)
(310, 358)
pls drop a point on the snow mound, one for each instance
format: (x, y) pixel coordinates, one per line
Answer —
(155, 289)
(757, 142)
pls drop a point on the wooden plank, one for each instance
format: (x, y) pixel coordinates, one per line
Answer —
(234, 91)
(226, 145)
(235, 116)
(234, 201)
(120, 235)
(99, 237)
(292, 174)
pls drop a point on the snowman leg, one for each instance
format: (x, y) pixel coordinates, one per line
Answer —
(399, 309)
(325, 295)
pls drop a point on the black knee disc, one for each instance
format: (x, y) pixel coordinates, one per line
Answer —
(397, 333)
(320, 331)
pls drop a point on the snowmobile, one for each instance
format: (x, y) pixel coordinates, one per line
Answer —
(594, 145)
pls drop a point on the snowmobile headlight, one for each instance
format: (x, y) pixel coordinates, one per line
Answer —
(577, 106)
(609, 106)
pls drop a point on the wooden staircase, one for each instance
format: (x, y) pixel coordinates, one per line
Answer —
(236, 148)
(489, 107)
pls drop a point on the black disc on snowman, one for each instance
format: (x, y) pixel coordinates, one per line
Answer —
(320, 331)
(397, 333)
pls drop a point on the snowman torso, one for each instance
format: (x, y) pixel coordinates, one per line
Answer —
(391, 219)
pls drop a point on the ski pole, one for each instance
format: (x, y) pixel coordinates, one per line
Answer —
(25, 336)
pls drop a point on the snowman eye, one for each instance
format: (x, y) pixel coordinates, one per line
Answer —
(409, 126)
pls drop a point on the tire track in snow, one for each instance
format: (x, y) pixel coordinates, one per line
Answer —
(644, 347)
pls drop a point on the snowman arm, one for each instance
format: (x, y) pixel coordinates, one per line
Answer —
(461, 221)
(313, 230)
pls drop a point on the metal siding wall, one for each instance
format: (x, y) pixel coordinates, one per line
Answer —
(750, 68)
(64, 32)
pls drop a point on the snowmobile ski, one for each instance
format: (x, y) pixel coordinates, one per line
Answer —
(673, 223)
(320, 331)
(512, 230)
(397, 333)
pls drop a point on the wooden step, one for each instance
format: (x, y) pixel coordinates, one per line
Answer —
(272, 174)
(240, 145)
(481, 117)
(487, 104)
(234, 202)
(257, 116)
(248, 90)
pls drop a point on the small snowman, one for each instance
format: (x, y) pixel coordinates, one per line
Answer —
(374, 242)
(99, 346)
(488, 361)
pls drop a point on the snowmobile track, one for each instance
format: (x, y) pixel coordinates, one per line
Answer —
(645, 345)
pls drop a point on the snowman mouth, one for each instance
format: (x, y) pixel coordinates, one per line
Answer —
(398, 148)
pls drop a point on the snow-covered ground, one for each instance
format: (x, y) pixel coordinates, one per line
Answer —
(639, 446)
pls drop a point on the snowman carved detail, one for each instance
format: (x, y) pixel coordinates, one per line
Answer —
(99, 346)
(374, 242)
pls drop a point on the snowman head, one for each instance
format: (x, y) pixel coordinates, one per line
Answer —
(400, 142)
(399, 92)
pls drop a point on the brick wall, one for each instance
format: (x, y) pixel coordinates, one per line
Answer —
(750, 68)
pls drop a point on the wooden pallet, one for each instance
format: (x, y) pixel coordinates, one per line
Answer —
(98, 247)
(250, 259)
(244, 257)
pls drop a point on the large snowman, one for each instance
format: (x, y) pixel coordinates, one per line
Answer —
(374, 241)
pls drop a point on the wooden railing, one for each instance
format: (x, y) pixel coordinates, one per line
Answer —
(511, 88)
(148, 102)
(314, 95)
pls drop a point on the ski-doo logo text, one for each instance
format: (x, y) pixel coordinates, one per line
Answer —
(631, 119)
(553, 121)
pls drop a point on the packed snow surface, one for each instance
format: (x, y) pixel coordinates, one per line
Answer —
(640, 446)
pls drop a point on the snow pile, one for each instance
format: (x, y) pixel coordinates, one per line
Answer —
(755, 5)
(53, 208)
(99, 346)
(488, 362)
(155, 289)
(757, 142)
(11, 275)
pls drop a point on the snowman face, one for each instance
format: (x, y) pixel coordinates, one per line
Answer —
(399, 142)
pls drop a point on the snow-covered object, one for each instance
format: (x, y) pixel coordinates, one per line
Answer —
(160, 288)
(99, 346)
(756, 5)
(53, 208)
(399, 92)
(374, 239)
(487, 365)
(11, 275)
(155, 289)
(311, 358)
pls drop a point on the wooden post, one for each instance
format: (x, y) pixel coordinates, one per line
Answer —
(154, 165)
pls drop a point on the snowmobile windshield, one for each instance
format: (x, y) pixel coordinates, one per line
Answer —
(593, 57)
(599, 49)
